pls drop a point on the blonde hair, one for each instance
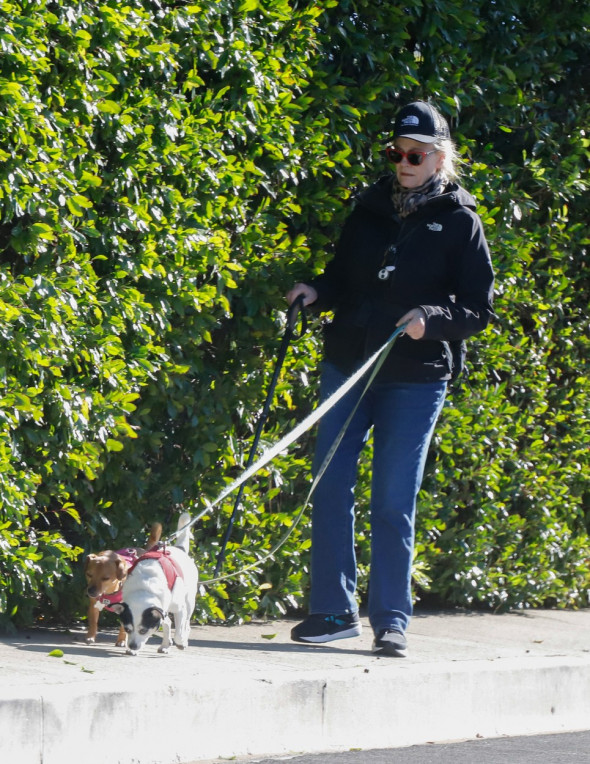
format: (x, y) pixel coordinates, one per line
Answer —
(452, 162)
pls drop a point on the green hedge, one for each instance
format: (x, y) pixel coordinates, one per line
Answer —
(167, 171)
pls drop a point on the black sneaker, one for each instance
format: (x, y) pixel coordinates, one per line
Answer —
(321, 627)
(390, 642)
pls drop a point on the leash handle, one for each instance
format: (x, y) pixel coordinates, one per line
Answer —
(295, 308)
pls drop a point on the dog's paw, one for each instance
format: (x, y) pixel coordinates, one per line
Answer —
(129, 651)
(180, 647)
(163, 649)
(90, 640)
(120, 643)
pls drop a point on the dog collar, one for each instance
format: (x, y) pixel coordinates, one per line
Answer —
(106, 600)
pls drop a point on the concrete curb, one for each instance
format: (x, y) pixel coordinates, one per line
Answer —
(249, 690)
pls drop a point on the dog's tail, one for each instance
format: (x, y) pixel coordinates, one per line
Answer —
(184, 536)
(155, 536)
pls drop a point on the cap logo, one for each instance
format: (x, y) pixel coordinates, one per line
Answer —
(411, 120)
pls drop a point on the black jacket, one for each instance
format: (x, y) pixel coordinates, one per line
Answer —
(440, 262)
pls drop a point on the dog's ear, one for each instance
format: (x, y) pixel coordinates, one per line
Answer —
(90, 558)
(117, 608)
(121, 569)
(152, 617)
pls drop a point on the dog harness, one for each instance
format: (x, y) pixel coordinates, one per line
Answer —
(130, 555)
(171, 568)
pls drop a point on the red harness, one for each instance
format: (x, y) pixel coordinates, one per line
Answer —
(129, 554)
(171, 568)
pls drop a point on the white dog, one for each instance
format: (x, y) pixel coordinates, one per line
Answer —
(161, 583)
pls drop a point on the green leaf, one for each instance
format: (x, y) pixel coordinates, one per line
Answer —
(247, 6)
(108, 107)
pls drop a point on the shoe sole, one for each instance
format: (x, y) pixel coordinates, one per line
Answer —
(321, 638)
(395, 652)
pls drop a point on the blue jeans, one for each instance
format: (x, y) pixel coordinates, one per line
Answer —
(403, 417)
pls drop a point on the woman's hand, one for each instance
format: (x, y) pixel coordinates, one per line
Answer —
(309, 294)
(416, 327)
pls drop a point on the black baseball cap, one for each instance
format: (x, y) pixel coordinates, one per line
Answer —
(421, 122)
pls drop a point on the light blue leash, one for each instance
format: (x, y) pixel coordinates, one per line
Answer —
(376, 360)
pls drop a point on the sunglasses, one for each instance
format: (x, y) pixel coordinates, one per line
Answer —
(414, 158)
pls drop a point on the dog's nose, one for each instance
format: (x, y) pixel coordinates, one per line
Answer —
(92, 591)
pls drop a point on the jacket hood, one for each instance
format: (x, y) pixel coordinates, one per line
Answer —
(377, 197)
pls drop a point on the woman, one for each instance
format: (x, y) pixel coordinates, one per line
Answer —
(412, 252)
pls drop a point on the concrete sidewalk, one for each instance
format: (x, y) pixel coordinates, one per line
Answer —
(248, 690)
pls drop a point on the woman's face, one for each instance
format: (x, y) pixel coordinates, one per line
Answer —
(412, 176)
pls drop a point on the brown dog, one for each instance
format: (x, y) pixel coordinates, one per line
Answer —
(105, 573)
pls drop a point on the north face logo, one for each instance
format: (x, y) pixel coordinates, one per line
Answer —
(434, 226)
(411, 120)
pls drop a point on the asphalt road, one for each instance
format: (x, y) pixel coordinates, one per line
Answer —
(570, 748)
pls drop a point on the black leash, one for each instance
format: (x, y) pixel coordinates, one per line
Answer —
(295, 308)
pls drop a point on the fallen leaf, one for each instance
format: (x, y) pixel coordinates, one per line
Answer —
(56, 654)
(268, 636)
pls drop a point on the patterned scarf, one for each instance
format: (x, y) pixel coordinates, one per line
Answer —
(407, 200)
